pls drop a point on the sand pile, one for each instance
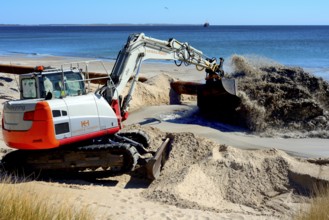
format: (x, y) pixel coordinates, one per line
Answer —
(8, 90)
(155, 91)
(204, 175)
(8, 87)
(276, 97)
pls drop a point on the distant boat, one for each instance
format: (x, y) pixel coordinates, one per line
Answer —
(206, 24)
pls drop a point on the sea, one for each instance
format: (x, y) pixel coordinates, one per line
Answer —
(303, 46)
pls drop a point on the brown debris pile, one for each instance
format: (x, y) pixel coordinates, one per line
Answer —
(281, 98)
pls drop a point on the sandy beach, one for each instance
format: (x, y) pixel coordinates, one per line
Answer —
(214, 171)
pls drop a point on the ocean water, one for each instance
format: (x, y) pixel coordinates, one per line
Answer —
(304, 46)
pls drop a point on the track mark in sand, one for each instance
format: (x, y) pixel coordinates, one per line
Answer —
(123, 200)
(14, 89)
(6, 79)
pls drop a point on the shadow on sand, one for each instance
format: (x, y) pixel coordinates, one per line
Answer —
(132, 180)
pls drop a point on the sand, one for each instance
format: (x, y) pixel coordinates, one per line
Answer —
(206, 176)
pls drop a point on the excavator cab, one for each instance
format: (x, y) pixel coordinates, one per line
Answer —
(51, 84)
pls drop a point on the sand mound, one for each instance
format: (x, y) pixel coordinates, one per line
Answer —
(275, 97)
(155, 91)
(204, 175)
(8, 87)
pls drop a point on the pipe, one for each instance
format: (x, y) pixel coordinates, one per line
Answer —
(96, 78)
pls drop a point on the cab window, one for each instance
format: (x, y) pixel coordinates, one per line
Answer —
(29, 89)
(74, 85)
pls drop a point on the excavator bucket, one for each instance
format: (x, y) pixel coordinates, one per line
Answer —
(216, 99)
(154, 165)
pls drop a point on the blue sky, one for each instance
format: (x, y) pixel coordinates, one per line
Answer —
(217, 12)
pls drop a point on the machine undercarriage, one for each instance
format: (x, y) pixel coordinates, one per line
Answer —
(116, 154)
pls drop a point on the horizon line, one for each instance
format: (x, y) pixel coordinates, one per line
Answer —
(159, 24)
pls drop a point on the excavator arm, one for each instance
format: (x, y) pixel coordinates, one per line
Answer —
(139, 48)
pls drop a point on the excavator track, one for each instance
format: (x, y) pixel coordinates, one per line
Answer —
(123, 153)
(115, 158)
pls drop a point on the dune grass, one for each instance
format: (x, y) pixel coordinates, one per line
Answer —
(318, 208)
(19, 201)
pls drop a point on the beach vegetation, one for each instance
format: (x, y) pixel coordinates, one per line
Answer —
(318, 208)
(23, 200)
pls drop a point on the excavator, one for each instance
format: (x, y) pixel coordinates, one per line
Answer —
(57, 125)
